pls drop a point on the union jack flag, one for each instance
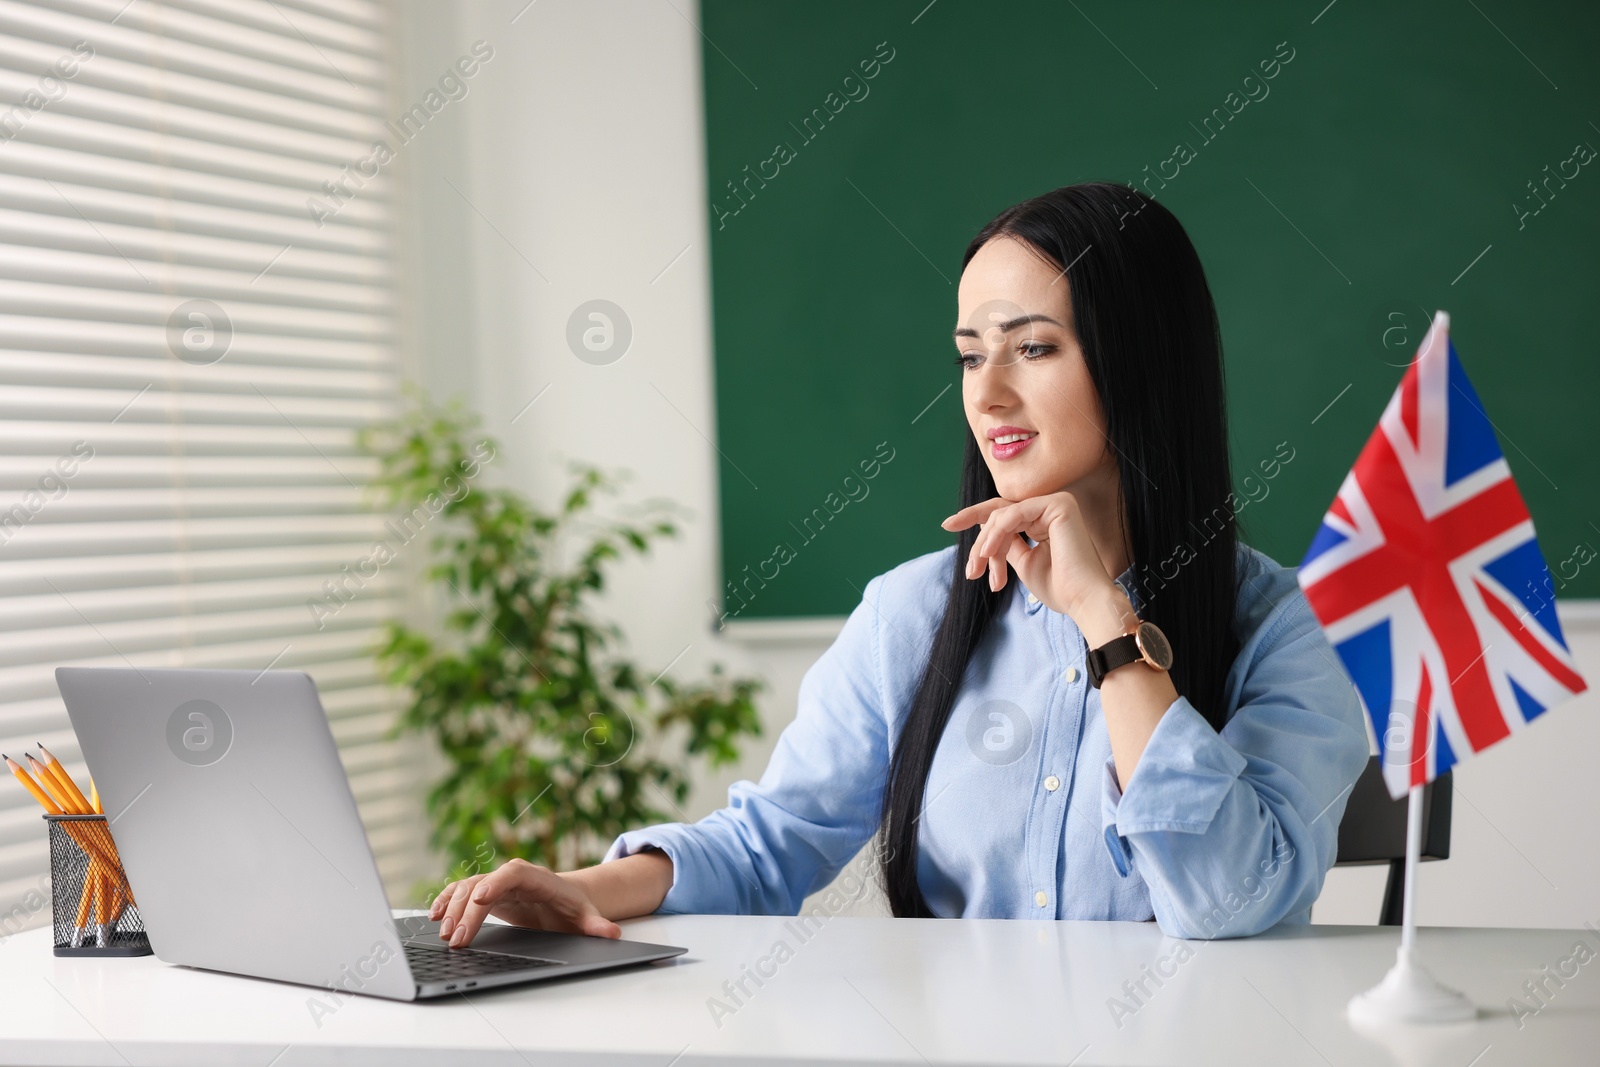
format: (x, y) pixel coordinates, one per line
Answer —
(1428, 581)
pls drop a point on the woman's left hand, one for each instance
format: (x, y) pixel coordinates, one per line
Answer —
(1063, 569)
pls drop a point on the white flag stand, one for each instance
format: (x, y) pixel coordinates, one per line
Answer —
(1408, 993)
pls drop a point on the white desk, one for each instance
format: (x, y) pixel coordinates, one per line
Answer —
(875, 991)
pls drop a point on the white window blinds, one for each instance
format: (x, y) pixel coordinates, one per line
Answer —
(186, 351)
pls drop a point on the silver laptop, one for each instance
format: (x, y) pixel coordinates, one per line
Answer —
(239, 833)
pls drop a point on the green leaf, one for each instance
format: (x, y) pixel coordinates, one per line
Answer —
(552, 743)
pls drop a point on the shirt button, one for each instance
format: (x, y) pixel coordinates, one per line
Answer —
(1040, 899)
(1072, 674)
(1032, 600)
(1052, 783)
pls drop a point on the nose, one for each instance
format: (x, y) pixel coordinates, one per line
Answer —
(988, 386)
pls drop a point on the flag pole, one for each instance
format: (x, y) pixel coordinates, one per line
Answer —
(1408, 898)
(1409, 993)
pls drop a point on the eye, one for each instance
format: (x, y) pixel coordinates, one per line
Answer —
(1031, 350)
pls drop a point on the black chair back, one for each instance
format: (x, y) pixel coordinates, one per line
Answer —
(1373, 830)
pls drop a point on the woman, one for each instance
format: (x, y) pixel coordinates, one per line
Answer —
(1174, 743)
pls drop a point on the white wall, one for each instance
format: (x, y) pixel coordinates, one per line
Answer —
(577, 163)
(579, 160)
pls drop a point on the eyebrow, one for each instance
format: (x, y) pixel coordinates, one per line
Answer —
(1007, 327)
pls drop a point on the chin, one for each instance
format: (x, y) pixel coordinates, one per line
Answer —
(1017, 486)
(1016, 482)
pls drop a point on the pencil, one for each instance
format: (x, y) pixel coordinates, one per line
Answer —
(48, 782)
(26, 779)
(54, 766)
(85, 898)
(122, 897)
(94, 798)
(102, 909)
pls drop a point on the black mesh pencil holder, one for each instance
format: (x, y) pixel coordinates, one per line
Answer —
(91, 903)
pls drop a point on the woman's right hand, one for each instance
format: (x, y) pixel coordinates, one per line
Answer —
(523, 894)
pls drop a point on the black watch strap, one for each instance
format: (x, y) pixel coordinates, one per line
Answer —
(1117, 652)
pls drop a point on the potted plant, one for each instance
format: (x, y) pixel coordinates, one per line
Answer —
(554, 742)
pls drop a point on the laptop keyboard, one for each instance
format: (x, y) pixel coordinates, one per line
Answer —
(445, 964)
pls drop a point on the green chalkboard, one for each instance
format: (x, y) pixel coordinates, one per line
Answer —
(1387, 169)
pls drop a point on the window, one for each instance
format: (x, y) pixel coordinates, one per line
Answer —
(196, 314)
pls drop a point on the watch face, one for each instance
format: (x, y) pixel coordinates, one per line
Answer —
(1153, 644)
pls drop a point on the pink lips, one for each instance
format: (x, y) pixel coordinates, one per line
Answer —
(1006, 451)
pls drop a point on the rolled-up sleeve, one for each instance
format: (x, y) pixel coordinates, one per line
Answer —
(1234, 832)
(782, 838)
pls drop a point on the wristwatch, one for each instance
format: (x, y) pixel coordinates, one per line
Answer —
(1144, 644)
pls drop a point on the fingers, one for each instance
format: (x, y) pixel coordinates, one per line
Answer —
(442, 901)
(1005, 524)
(974, 561)
(1001, 520)
(1018, 552)
(975, 513)
(492, 890)
(978, 561)
(596, 925)
(1001, 527)
(985, 513)
(1021, 556)
(979, 557)
(1001, 541)
(455, 905)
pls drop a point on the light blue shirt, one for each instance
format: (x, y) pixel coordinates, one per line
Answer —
(1216, 835)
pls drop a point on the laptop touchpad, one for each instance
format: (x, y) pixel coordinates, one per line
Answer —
(493, 937)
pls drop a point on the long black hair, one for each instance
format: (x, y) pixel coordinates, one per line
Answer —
(1148, 329)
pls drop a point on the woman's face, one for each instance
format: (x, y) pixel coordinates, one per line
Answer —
(1026, 389)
